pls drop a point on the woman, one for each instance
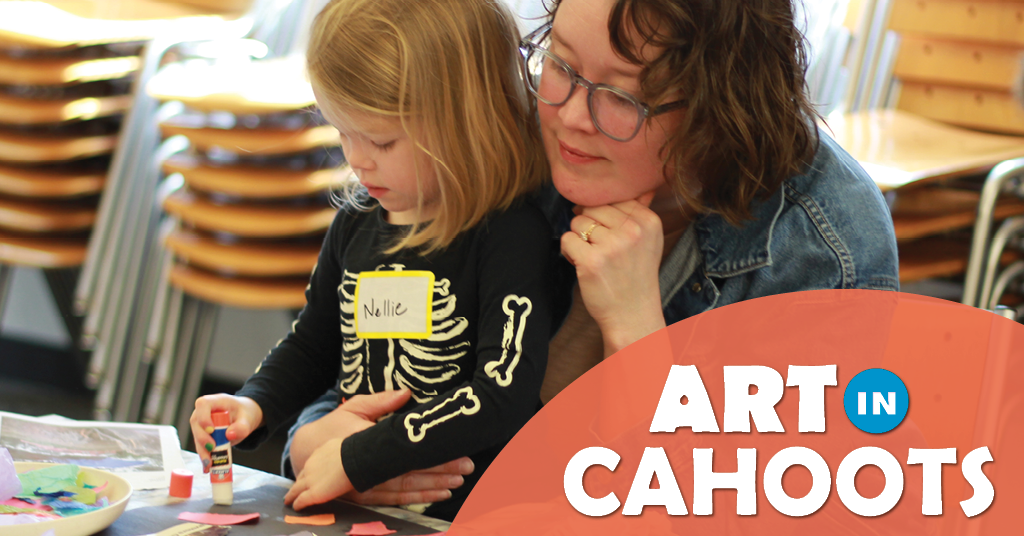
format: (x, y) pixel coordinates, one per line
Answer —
(680, 132)
(705, 121)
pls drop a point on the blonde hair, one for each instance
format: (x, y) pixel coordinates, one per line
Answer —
(449, 70)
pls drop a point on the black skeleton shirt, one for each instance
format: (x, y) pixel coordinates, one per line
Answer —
(465, 329)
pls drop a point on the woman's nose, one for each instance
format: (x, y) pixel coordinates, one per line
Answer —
(575, 114)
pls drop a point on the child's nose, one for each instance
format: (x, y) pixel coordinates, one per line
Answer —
(358, 157)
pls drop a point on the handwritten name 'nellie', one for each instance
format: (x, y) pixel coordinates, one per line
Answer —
(389, 308)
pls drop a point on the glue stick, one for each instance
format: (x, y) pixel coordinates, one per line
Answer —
(220, 460)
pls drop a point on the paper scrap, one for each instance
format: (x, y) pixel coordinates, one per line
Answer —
(21, 519)
(55, 478)
(373, 528)
(9, 483)
(320, 520)
(218, 519)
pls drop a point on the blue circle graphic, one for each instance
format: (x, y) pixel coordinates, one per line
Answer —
(876, 401)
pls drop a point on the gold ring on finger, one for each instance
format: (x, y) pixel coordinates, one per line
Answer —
(585, 235)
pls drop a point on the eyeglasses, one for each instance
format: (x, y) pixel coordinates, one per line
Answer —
(616, 113)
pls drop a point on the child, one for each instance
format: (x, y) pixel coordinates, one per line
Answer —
(439, 284)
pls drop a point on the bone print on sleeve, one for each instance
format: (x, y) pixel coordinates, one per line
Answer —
(517, 309)
(463, 402)
(499, 388)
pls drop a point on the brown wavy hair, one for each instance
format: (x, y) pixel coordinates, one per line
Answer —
(740, 65)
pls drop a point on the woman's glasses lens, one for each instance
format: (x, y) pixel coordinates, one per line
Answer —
(616, 114)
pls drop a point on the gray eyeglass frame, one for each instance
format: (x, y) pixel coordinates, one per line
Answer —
(530, 44)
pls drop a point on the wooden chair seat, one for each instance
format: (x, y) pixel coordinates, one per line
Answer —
(957, 63)
(996, 111)
(899, 149)
(67, 23)
(21, 147)
(964, 20)
(924, 211)
(239, 88)
(49, 183)
(17, 111)
(42, 251)
(63, 71)
(250, 181)
(244, 258)
(249, 220)
(256, 141)
(247, 293)
(937, 256)
(36, 217)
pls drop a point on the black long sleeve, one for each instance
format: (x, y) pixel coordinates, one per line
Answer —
(475, 380)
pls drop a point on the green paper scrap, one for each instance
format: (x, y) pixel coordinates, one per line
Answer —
(83, 495)
(48, 480)
(90, 481)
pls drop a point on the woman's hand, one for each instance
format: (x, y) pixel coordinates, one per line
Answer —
(355, 415)
(617, 268)
(423, 486)
(246, 416)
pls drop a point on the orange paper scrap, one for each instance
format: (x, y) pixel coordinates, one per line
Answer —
(319, 520)
(374, 528)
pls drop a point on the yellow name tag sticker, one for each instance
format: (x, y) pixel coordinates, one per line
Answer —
(394, 305)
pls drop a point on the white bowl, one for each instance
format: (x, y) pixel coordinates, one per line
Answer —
(117, 492)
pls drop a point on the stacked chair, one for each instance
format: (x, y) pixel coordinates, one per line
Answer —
(117, 289)
(928, 76)
(922, 73)
(65, 89)
(249, 216)
(60, 112)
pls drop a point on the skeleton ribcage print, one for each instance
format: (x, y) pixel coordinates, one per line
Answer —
(421, 365)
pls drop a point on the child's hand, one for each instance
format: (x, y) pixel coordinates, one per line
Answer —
(322, 479)
(246, 416)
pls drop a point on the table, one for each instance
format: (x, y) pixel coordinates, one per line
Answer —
(246, 480)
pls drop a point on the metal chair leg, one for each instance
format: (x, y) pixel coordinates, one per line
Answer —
(206, 323)
(997, 182)
(165, 362)
(138, 363)
(186, 333)
(126, 155)
(1006, 232)
(122, 301)
(6, 272)
(1005, 278)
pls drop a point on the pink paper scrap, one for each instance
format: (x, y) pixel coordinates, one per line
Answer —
(218, 519)
(373, 528)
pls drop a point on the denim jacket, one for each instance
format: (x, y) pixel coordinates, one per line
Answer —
(828, 228)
